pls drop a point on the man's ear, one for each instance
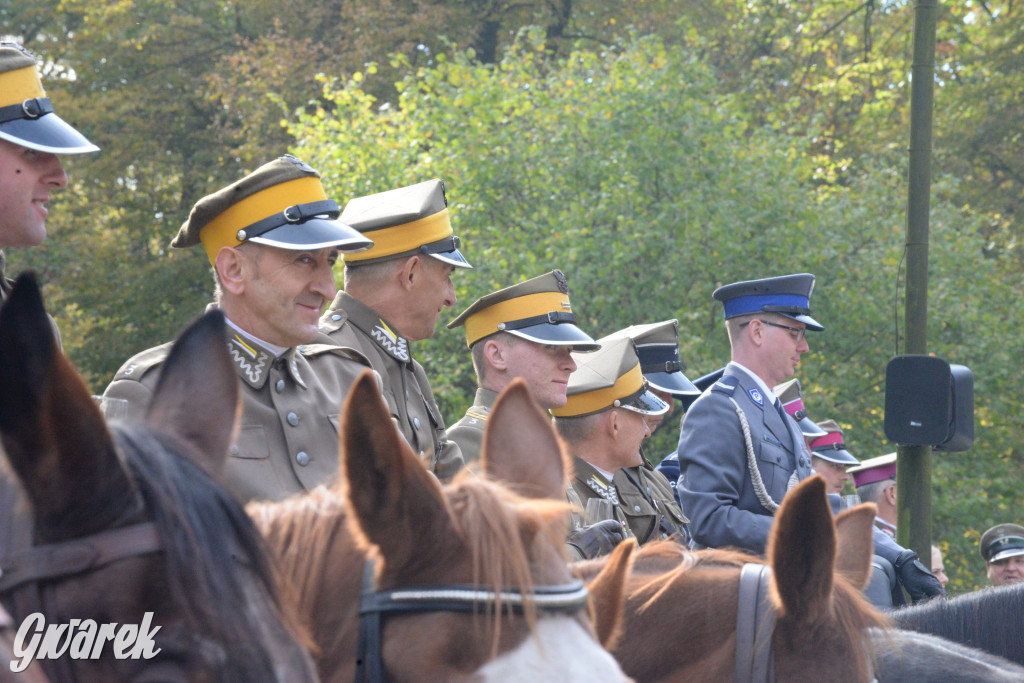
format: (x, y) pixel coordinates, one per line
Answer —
(411, 270)
(230, 264)
(612, 422)
(890, 495)
(494, 354)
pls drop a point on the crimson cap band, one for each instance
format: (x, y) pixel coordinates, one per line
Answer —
(830, 446)
(537, 310)
(280, 204)
(787, 295)
(874, 469)
(657, 347)
(609, 378)
(1002, 541)
(793, 404)
(404, 222)
(26, 113)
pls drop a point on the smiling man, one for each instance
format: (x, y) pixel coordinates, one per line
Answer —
(528, 331)
(31, 138)
(739, 452)
(394, 294)
(273, 238)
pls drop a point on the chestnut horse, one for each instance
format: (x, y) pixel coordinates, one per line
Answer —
(131, 531)
(683, 608)
(498, 550)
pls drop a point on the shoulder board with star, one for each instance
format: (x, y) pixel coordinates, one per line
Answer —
(314, 350)
(141, 363)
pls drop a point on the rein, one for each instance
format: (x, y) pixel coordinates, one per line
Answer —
(755, 624)
(21, 572)
(374, 604)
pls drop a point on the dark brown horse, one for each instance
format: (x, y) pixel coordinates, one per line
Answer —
(477, 536)
(683, 608)
(130, 527)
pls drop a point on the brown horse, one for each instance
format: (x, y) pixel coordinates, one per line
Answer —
(503, 549)
(683, 608)
(132, 533)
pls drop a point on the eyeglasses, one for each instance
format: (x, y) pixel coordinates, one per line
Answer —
(800, 332)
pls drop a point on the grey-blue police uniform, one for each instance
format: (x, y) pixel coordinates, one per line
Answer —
(715, 487)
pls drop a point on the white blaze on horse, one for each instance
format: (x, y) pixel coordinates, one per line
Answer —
(463, 582)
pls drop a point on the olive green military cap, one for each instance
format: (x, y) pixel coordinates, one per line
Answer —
(793, 403)
(280, 204)
(657, 346)
(609, 378)
(1002, 541)
(537, 310)
(404, 222)
(26, 113)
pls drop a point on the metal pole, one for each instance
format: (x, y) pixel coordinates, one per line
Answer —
(913, 464)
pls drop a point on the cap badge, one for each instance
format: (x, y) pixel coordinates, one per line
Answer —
(299, 163)
(755, 394)
(563, 285)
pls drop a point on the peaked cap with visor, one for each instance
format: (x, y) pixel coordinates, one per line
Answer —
(787, 295)
(657, 346)
(609, 378)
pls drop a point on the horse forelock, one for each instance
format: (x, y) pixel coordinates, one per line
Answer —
(214, 557)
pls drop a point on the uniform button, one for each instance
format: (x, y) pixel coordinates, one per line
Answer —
(302, 458)
(279, 386)
(335, 317)
(234, 449)
(406, 394)
(416, 422)
(293, 419)
(636, 508)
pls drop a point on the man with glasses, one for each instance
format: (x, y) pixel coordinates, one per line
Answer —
(739, 452)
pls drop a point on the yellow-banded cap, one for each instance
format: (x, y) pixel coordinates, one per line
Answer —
(657, 346)
(280, 204)
(404, 222)
(609, 378)
(26, 113)
(537, 309)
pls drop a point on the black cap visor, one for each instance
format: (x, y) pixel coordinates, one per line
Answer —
(674, 383)
(838, 455)
(315, 233)
(560, 334)
(808, 427)
(48, 133)
(1006, 547)
(643, 402)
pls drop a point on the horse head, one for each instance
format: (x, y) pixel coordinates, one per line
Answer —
(130, 527)
(683, 607)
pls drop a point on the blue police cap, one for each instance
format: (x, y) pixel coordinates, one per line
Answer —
(787, 295)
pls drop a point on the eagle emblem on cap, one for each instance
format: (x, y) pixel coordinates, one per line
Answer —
(299, 163)
(563, 284)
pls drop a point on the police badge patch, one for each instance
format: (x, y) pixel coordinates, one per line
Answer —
(755, 394)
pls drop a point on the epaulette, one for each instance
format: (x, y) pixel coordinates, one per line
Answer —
(332, 321)
(141, 363)
(727, 385)
(316, 349)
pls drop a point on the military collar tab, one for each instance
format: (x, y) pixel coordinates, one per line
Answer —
(253, 362)
(386, 338)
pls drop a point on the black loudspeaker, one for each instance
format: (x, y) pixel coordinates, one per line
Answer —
(929, 402)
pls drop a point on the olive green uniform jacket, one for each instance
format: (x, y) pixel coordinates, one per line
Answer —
(468, 432)
(351, 323)
(288, 441)
(649, 504)
(585, 484)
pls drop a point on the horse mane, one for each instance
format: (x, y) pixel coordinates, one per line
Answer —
(991, 619)
(194, 515)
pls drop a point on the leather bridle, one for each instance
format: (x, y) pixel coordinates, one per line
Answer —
(23, 574)
(374, 604)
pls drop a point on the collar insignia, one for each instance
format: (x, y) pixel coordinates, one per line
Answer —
(603, 489)
(391, 342)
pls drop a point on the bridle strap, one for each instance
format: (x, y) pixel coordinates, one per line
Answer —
(58, 560)
(373, 604)
(755, 624)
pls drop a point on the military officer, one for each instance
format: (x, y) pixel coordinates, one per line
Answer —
(272, 238)
(875, 481)
(829, 457)
(739, 452)
(1002, 548)
(648, 499)
(527, 330)
(603, 424)
(31, 138)
(394, 294)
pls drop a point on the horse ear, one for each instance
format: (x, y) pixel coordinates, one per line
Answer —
(856, 545)
(397, 504)
(54, 435)
(608, 594)
(521, 448)
(197, 395)
(802, 551)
